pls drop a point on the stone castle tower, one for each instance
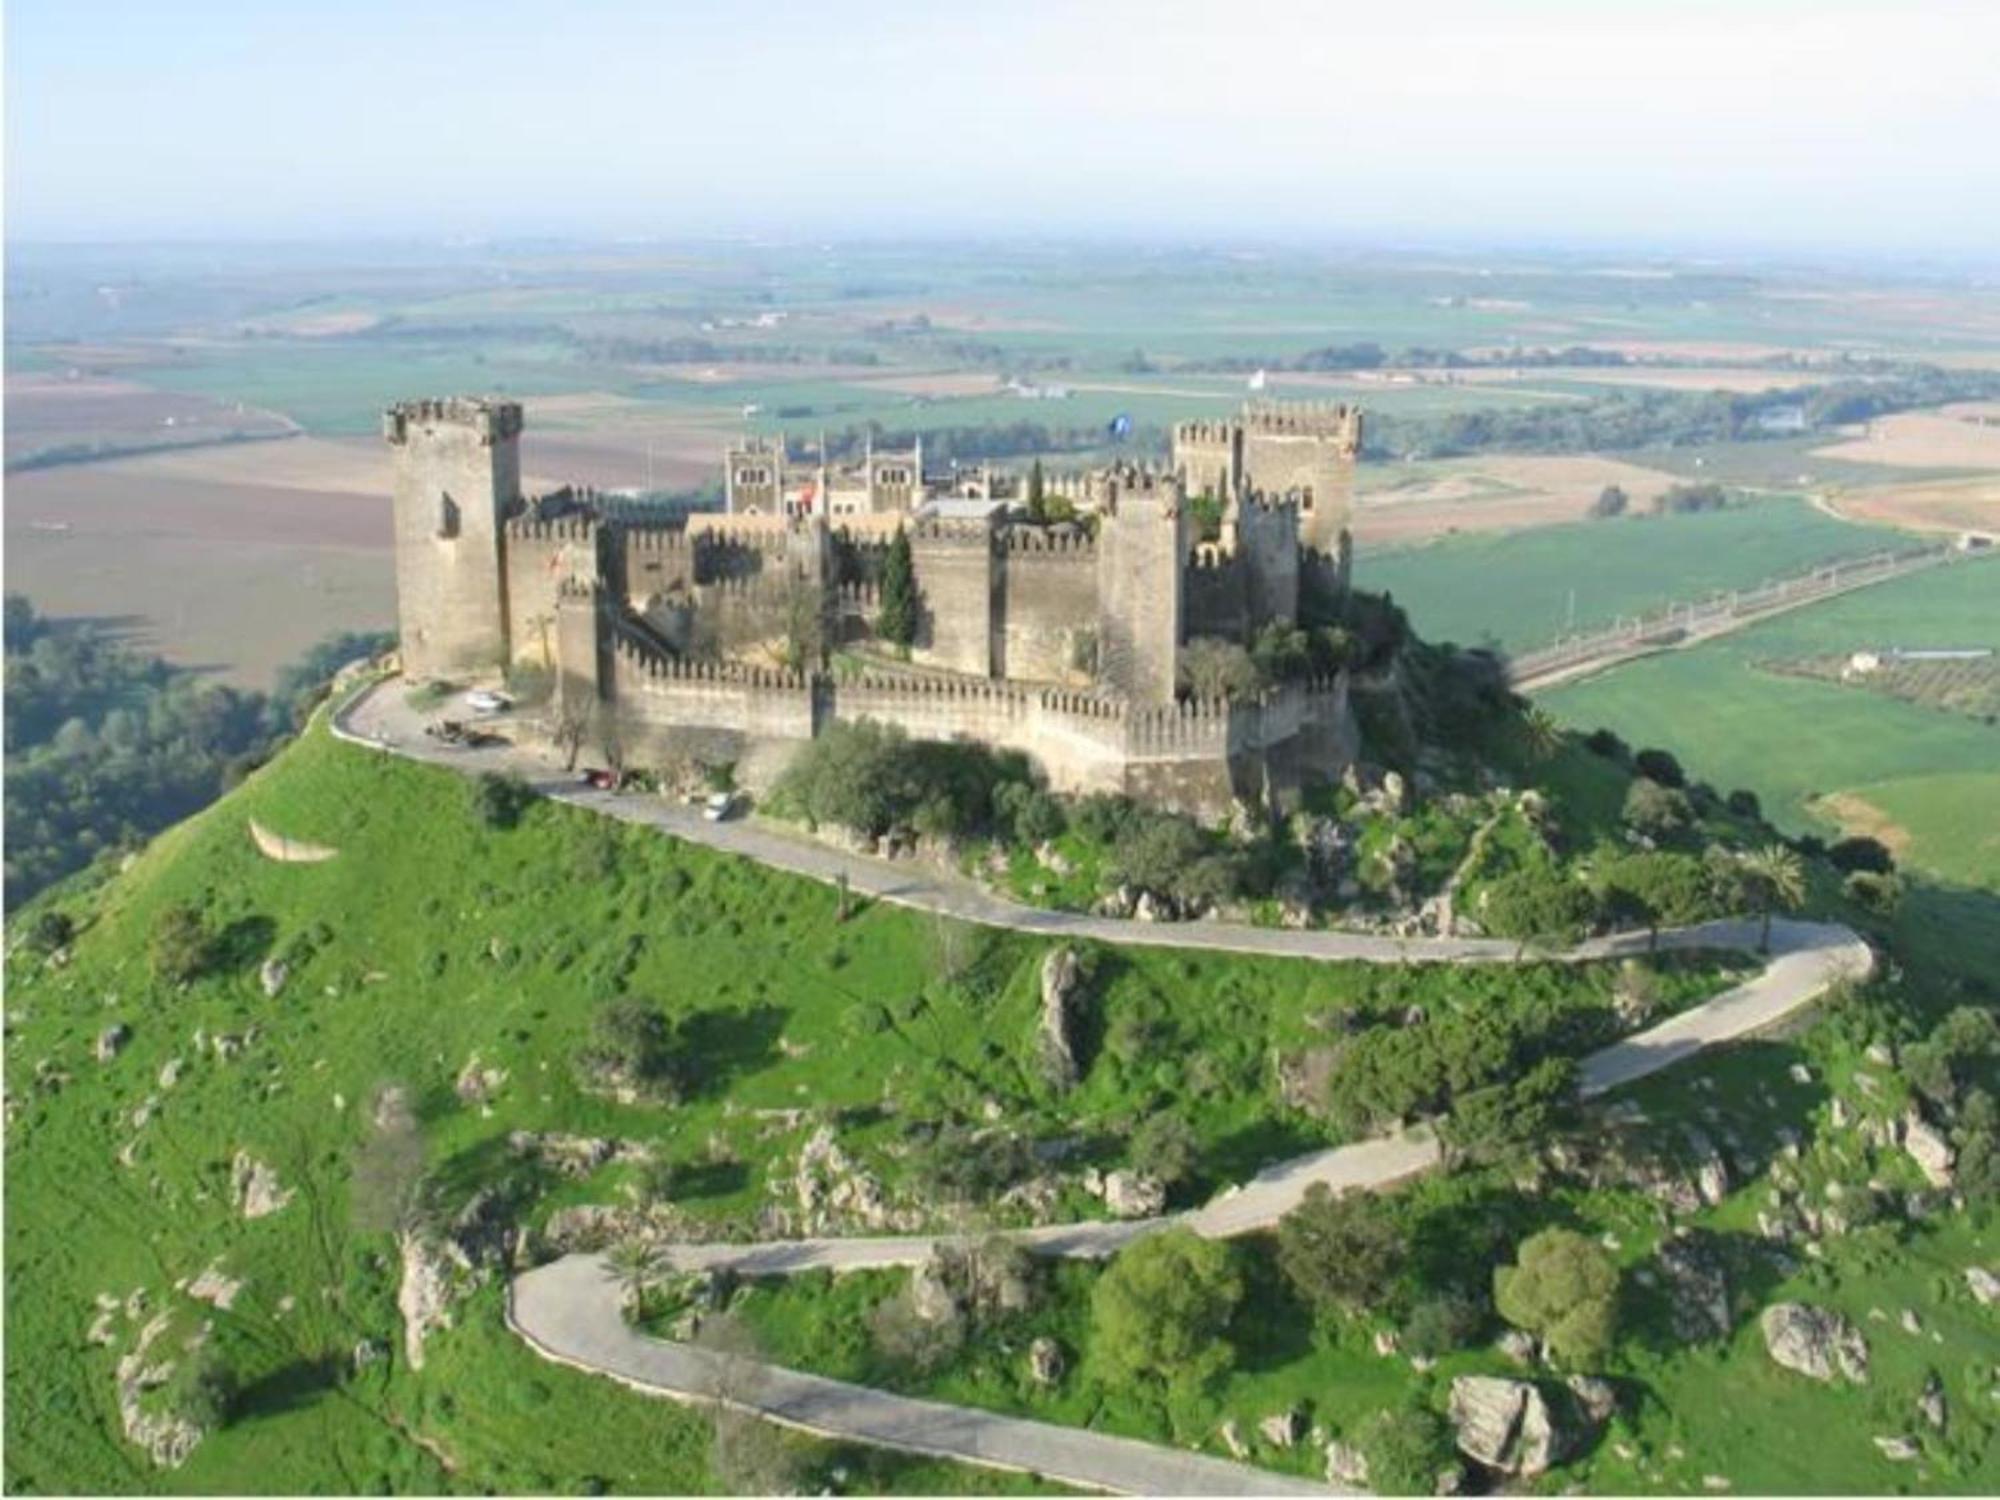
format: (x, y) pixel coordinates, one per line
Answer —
(457, 478)
(1142, 548)
(1303, 450)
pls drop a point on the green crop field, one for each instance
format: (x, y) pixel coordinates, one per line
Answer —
(1933, 774)
(1524, 589)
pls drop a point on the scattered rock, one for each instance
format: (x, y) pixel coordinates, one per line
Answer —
(1800, 1073)
(1346, 1466)
(1815, 1342)
(571, 1155)
(1881, 1054)
(1898, 1450)
(366, 1353)
(1597, 1397)
(1911, 1323)
(254, 1187)
(1045, 1361)
(111, 1041)
(1983, 1284)
(476, 1085)
(170, 1072)
(1132, 1195)
(272, 974)
(1280, 1429)
(1517, 1346)
(1931, 1404)
(167, 1438)
(932, 1298)
(1387, 1342)
(1714, 1482)
(212, 1287)
(1232, 1439)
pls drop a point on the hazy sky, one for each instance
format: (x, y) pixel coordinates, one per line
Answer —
(1809, 123)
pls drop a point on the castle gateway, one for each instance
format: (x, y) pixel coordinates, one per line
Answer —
(736, 636)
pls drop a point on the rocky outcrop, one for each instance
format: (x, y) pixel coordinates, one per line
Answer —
(167, 1437)
(1282, 1429)
(215, 1288)
(1928, 1148)
(835, 1192)
(572, 1155)
(1061, 973)
(1815, 1342)
(272, 974)
(1132, 1195)
(1983, 1284)
(254, 1188)
(1045, 1361)
(1507, 1426)
(1346, 1466)
(111, 1041)
(437, 1268)
(1931, 1405)
(1698, 1288)
(476, 1084)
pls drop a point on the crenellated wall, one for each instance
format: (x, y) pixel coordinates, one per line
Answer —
(1045, 593)
(542, 556)
(954, 568)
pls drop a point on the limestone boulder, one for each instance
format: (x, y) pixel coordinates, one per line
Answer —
(254, 1187)
(1045, 1361)
(1815, 1342)
(1133, 1195)
(1927, 1147)
(1507, 1426)
(111, 1041)
(1983, 1284)
(1061, 974)
(271, 975)
(1346, 1466)
(1281, 1429)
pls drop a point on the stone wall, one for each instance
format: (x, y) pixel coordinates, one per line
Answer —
(540, 557)
(1046, 599)
(955, 577)
(1142, 548)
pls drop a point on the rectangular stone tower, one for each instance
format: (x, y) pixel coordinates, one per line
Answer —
(457, 477)
(1307, 450)
(1142, 547)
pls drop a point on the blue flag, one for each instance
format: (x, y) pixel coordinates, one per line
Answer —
(1121, 427)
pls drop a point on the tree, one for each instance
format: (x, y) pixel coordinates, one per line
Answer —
(1773, 877)
(1660, 766)
(1164, 1147)
(1541, 907)
(1342, 1254)
(181, 947)
(1541, 735)
(802, 620)
(50, 930)
(1655, 890)
(610, 732)
(569, 726)
(1406, 1447)
(896, 622)
(1036, 486)
(1215, 668)
(631, 1048)
(1563, 1288)
(1162, 1311)
(1611, 501)
(1505, 1124)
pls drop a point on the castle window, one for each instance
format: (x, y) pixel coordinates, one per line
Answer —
(1306, 500)
(447, 516)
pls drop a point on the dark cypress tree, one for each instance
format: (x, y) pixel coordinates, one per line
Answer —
(897, 622)
(1037, 507)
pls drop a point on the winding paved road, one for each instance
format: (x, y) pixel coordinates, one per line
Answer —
(568, 1311)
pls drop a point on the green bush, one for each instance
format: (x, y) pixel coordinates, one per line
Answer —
(1342, 1254)
(1162, 1311)
(498, 801)
(181, 948)
(1563, 1288)
(1406, 1447)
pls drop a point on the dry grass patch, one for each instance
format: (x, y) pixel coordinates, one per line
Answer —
(1953, 437)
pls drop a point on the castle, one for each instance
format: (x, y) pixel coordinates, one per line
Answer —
(738, 635)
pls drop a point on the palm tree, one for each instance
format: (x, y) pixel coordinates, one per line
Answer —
(1540, 732)
(635, 1266)
(1773, 877)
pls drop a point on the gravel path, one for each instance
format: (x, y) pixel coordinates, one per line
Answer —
(568, 1310)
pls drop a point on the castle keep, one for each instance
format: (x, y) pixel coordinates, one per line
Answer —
(716, 635)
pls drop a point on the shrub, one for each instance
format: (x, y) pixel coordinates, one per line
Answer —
(1660, 766)
(50, 930)
(1030, 814)
(1657, 810)
(1603, 742)
(1341, 1254)
(1743, 802)
(1162, 1310)
(1860, 853)
(1406, 1447)
(1539, 906)
(631, 1046)
(1655, 890)
(1563, 1288)
(1611, 501)
(1164, 1147)
(1880, 894)
(1506, 1123)
(500, 800)
(200, 1390)
(181, 947)
(1440, 1324)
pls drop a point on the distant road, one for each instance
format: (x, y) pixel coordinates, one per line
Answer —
(1682, 625)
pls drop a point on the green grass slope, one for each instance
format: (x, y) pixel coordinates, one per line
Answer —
(431, 938)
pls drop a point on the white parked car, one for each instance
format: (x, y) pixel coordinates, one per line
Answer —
(486, 701)
(719, 806)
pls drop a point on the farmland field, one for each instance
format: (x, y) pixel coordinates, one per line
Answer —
(1820, 755)
(1523, 590)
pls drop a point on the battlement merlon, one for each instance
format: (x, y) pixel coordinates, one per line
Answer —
(1321, 419)
(493, 420)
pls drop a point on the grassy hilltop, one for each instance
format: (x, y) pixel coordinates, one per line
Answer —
(469, 966)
